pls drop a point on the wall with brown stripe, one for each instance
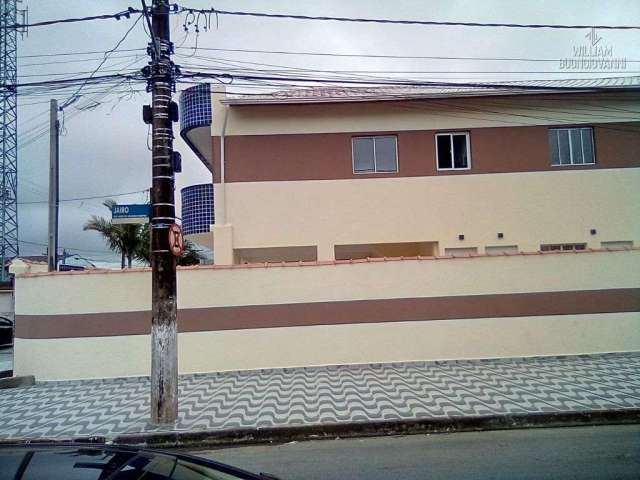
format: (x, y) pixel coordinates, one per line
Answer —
(336, 313)
(260, 310)
(327, 156)
(97, 357)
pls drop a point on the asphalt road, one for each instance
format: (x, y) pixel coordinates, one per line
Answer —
(605, 452)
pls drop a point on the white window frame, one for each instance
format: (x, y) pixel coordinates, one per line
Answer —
(557, 146)
(450, 135)
(375, 163)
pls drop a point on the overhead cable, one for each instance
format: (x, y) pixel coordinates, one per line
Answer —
(229, 78)
(93, 197)
(214, 11)
(369, 55)
(117, 16)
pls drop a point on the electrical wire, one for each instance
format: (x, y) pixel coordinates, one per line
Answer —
(602, 115)
(106, 57)
(484, 85)
(229, 68)
(63, 81)
(92, 197)
(217, 12)
(496, 116)
(365, 55)
(90, 52)
(41, 131)
(117, 16)
(213, 11)
(105, 253)
(424, 72)
(65, 62)
(73, 74)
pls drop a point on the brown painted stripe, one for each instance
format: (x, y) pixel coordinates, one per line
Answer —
(336, 313)
(328, 156)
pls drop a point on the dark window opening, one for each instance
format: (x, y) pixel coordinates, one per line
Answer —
(453, 151)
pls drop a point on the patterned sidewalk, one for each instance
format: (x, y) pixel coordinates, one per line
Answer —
(328, 395)
(6, 359)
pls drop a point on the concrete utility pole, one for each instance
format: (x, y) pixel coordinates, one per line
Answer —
(54, 197)
(164, 328)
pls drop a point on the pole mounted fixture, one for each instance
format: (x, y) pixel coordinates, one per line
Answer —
(160, 74)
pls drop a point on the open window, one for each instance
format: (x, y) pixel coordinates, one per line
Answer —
(453, 151)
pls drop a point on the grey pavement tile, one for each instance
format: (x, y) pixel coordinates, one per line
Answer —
(333, 394)
(6, 359)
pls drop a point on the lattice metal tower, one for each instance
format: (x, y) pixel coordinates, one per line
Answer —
(8, 134)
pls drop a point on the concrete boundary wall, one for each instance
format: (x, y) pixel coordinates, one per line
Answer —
(98, 357)
(257, 317)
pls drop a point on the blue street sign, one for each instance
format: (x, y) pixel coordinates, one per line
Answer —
(136, 213)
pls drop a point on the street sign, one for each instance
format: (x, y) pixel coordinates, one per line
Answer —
(176, 240)
(136, 213)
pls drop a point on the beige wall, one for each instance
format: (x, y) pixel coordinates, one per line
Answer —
(530, 209)
(83, 292)
(425, 114)
(80, 292)
(114, 291)
(74, 358)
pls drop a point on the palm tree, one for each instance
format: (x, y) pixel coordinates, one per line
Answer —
(134, 241)
(191, 255)
(124, 239)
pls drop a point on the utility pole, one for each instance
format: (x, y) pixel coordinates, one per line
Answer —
(54, 163)
(164, 326)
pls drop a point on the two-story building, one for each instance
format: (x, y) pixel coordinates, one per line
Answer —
(328, 173)
(414, 224)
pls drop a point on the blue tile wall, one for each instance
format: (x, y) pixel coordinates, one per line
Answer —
(195, 107)
(197, 208)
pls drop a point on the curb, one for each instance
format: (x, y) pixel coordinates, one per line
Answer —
(252, 436)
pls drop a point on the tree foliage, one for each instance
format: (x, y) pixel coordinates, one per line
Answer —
(134, 240)
(123, 239)
(191, 255)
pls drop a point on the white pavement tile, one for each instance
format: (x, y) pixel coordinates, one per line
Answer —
(335, 394)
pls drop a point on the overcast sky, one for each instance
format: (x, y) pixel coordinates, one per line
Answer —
(104, 150)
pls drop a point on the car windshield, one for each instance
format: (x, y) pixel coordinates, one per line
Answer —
(98, 464)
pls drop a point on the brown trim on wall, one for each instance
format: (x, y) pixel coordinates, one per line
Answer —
(337, 313)
(327, 156)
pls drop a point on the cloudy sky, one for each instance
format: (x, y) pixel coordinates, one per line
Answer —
(104, 147)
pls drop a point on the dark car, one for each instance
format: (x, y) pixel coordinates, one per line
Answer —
(6, 332)
(103, 462)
